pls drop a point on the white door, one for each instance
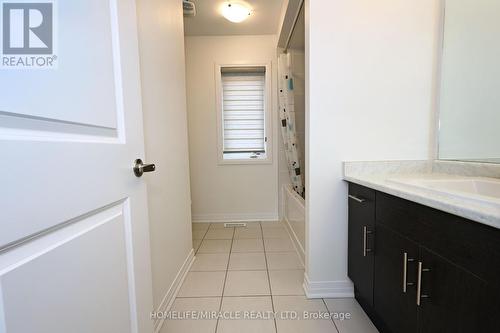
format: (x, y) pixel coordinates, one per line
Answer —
(74, 240)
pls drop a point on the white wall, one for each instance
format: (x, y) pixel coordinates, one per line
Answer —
(371, 68)
(161, 40)
(226, 192)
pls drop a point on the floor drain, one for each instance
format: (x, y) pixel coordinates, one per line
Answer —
(234, 225)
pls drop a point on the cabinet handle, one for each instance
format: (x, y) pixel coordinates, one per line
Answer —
(360, 200)
(419, 282)
(366, 232)
(406, 260)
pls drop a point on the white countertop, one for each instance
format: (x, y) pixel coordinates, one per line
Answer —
(374, 175)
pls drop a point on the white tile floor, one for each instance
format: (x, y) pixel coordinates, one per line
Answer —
(254, 271)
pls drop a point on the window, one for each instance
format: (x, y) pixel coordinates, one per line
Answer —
(243, 114)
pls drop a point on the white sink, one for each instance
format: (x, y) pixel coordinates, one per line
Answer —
(482, 189)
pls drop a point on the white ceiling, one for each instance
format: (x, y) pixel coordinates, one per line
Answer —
(209, 22)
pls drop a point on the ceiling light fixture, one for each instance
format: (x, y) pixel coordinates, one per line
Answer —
(235, 12)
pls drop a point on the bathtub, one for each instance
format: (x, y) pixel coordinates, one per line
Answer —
(294, 214)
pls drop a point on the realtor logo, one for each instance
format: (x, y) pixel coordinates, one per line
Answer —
(28, 34)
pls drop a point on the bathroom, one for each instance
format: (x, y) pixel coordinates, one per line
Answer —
(250, 165)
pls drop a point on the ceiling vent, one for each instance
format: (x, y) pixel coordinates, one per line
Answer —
(189, 8)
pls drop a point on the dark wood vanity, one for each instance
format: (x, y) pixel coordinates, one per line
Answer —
(418, 269)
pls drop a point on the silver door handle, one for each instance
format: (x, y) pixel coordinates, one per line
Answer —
(419, 282)
(406, 260)
(140, 168)
(360, 200)
(366, 232)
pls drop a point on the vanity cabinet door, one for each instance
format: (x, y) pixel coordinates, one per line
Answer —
(451, 299)
(395, 281)
(360, 243)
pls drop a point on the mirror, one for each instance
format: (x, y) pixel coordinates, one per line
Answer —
(469, 124)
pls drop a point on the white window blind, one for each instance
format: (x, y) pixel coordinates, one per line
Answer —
(243, 107)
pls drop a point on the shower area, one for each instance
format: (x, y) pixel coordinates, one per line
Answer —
(291, 72)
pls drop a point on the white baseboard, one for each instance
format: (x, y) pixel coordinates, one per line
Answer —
(248, 217)
(328, 289)
(172, 292)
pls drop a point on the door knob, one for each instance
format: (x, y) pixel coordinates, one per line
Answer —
(140, 167)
